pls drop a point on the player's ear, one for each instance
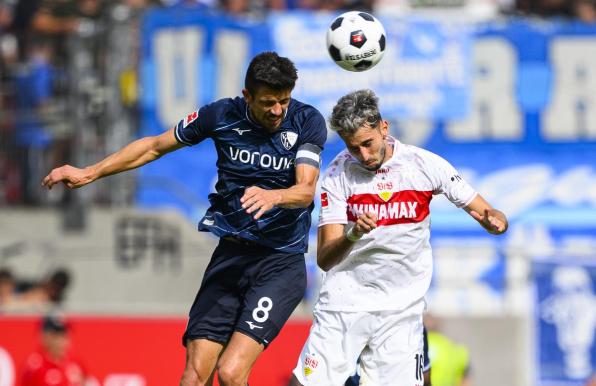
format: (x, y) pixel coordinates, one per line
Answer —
(246, 95)
(384, 128)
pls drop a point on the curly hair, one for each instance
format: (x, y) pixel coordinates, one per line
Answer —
(354, 110)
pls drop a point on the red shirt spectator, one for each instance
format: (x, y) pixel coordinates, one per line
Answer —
(52, 365)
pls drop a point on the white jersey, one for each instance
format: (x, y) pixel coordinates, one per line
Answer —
(389, 268)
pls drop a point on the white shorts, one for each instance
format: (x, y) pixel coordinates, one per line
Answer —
(389, 344)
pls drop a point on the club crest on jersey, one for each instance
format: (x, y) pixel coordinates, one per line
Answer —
(310, 365)
(385, 195)
(288, 139)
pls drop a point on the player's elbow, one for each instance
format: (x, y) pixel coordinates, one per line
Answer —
(324, 263)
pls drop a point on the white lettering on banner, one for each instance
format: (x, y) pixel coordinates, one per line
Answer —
(7, 375)
(264, 160)
(178, 57)
(125, 380)
(495, 113)
(572, 309)
(231, 48)
(572, 111)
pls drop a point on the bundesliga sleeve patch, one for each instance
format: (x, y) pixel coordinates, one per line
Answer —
(309, 154)
(190, 118)
(324, 200)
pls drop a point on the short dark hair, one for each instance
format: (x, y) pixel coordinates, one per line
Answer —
(270, 70)
(54, 323)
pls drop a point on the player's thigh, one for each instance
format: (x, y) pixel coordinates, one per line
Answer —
(272, 297)
(219, 300)
(239, 355)
(395, 355)
(331, 351)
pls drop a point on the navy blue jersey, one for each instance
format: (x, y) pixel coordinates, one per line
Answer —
(250, 156)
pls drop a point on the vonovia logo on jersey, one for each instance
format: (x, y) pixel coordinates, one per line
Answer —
(310, 364)
(288, 139)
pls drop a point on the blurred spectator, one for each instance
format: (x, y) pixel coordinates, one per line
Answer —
(450, 362)
(7, 288)
(52, 364)
(50, 292)
(584, 10)
(65, 16)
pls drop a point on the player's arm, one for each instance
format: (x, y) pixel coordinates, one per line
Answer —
(334, 243)
(300, 195)
(132, 156)
(491, 219)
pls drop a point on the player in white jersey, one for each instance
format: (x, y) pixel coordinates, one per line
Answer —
(374, 243)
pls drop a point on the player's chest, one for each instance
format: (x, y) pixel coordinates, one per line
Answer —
(388, 180)
(245, 145)
(395, 195)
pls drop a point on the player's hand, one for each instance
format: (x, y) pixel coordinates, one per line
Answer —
(259, 200)
(365, 223)
(70, 176)
(493, 221)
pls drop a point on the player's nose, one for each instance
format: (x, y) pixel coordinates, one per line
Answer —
(276, 109)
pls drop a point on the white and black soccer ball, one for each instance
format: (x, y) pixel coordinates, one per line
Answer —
(356, 41)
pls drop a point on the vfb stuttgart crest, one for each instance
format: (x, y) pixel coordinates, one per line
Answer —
(288, 139)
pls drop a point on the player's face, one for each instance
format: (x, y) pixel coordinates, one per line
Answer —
(369, 145)
(268, 107)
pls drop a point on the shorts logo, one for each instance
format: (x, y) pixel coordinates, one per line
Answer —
(288, 139)
(252, 325)
(240, 131)
(324, 200)
(310, 365)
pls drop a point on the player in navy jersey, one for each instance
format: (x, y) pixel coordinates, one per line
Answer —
(268, 147)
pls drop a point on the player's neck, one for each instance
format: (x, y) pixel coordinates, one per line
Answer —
(389, 149)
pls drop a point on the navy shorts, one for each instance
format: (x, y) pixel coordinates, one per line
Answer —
(247, 288)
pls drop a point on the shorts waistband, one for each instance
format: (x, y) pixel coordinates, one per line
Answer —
(241, 241)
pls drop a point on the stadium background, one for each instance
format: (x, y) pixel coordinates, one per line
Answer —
(507, 96)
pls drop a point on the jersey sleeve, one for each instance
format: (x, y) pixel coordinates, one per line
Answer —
(313, 140)
(196, 126)
(334, 201)
(447, 181)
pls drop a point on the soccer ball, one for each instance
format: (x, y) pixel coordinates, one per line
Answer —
(356, 41)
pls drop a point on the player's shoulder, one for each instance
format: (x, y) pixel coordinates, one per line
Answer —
(302, 112)
(340, 165)
(227, 105)
(223, 111)
(417, 156)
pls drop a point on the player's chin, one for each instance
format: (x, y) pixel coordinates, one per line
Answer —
(372, 167)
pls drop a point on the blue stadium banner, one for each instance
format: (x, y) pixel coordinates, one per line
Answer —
(517, 117)
(565, 320)
(425, 72)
